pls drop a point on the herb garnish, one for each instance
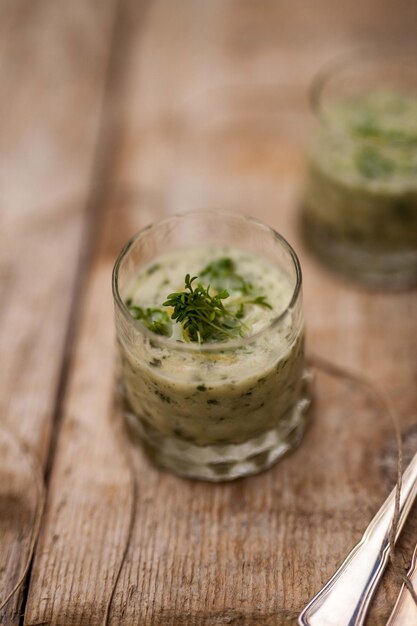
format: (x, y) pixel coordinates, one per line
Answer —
(369, 129)
(154, 319)
(222, 273)
(372, 164)
(203, 316)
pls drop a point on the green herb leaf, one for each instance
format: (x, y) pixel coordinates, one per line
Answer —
(203, 317)
(261, 300)
(372, 164)
(369, 129)
(222, 274)
(154, 319)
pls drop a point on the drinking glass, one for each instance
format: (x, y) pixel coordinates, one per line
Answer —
(213, 411)
(360, 213)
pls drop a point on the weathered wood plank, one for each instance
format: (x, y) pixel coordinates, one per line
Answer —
(70, 589)
(213, 112)
(52, 66)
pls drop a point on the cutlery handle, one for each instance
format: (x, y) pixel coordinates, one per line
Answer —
(404, 612)
(344, 600)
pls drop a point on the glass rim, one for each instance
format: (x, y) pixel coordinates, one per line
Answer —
(358, 55)
(166, 342)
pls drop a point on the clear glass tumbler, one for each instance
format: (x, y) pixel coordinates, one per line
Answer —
(213, 411)
(360, 214)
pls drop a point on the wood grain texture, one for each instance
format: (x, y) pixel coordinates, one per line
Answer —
(52, 63)
(209, 109)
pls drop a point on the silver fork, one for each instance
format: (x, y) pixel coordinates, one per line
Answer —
(404, 612)
(345, 599)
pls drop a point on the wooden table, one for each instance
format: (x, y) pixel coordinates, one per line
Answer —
(114, 113)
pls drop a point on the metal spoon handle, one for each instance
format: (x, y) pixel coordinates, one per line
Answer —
(344, 600)
(404, 612)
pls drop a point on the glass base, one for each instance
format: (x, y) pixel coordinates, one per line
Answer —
(223, 462)
(375, 269)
